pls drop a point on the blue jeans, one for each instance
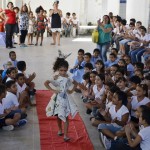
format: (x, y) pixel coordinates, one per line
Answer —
(103, 47)
(139, 55)
(133, 54)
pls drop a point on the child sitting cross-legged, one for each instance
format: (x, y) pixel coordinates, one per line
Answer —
(11, 102)
(23, 91)
(116, 119)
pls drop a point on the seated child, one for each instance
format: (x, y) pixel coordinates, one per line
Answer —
(112, 60)
(95, 56)
(117, 117)
(11, 74)
(21, 65)
(99, 67)
(8, 118)
(23, 91)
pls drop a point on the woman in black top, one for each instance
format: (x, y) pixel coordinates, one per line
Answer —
(56, 15)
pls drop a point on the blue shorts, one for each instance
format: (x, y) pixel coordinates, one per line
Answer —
(110, 127)
(12, 113)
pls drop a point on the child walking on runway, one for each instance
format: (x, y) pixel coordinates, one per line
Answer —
(61, 103)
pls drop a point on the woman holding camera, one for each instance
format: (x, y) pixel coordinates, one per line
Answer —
(56, 15)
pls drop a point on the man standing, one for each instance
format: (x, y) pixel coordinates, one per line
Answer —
(56, 15)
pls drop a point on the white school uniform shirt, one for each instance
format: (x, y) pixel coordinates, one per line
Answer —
(122, 111)
(10, 100)
(20, 89)
(98, 94)
(145, 135)
(8, 79)
(135, 104)
(75, 21)
(108, 105)
(1, 109)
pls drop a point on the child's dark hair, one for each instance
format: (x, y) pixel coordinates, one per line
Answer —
(9, 70)
(9, 83)
(144, 87)
(109, 84)
(21, 65)
(68, 13)
(121, 70)
(133, 20)
(38, 9)
(17, 8)
(114, 89)
(122, 96)
(139, 22)
(112, 54)
(89, 66)
(115, 65)
(88, 54)
(96, 50)
(81, 51)
(11, 52)
(115, 49)
(123, 22)
(143, 28)
(123, 61)
(2, 89)
(93, 72)
(102, 77)
(19, 75)
(139, 65)
(145, 114)
(73, 13)
(121, 79)
(60, 62)
(86, 76)
(10, 3)
(135, 79)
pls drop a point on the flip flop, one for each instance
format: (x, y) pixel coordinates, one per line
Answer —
(59, 133)
(66, 139)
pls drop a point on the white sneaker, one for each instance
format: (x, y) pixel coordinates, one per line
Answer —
(8, 128)
(107, 143)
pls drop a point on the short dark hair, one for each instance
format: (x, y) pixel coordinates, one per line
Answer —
(112, 54)
(115, 65)
(139, 65)
(88, 54)
(9, 70)
(145, 88)
(122, 96)
(86, 76)
(121, 70)
(133, 20)
(102, 77)
(114, 89)
(96, 50)
(73, 13)
(143, 28)
(121, 79)
(16, 8)
(135, 79)
(115, 49)
(11, 52)
(68, 13)
(132, 24)
(124, 22)
(2, 89)
(19, 75)
(89, 66)
(139, 22)
(9, 83)
(109, 84)
(81, 51)
(21, 65)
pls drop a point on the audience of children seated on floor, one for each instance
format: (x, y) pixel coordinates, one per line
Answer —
(16, 91)
(116, 92)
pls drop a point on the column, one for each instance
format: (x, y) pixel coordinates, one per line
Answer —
(138, 9)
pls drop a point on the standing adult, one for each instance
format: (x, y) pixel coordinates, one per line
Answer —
(56, 15)
(104, 29)
(10, 19)
(23, 24)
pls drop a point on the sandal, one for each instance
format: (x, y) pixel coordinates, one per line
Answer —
(66, 139)
(59, 133)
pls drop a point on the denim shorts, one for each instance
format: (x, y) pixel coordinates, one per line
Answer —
(110, 127)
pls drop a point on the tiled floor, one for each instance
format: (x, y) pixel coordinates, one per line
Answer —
(40, 60)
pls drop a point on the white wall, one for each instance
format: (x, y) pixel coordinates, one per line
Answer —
(138, 9)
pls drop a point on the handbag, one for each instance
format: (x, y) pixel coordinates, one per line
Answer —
(95, 36)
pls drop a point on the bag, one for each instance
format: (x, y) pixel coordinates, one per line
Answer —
(95, 36)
